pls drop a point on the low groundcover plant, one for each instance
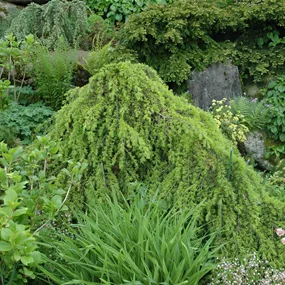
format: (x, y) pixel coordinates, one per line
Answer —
(251, 271)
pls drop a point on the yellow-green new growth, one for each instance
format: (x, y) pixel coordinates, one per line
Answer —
(131, 127)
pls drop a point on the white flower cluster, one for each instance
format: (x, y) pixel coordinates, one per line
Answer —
(250, 272)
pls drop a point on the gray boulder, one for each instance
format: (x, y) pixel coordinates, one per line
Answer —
(6, 8)
(216, 82)
(255, 148)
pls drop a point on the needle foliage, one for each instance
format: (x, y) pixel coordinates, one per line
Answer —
(130, 127)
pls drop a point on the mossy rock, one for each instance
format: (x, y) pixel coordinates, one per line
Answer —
(130, 127)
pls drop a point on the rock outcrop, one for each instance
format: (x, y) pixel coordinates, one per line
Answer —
(216, 82)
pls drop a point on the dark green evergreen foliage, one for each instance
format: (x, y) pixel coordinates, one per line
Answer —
(174, 38)
(130, 127)
(192, 34)
(51, 22)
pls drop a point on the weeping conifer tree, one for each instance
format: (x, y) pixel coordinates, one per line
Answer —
(130, 127)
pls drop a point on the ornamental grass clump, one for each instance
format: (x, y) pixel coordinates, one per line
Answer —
(130, 127)
(138, 242)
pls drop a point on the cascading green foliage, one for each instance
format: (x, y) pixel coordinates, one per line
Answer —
(192, 34)
(51, 22)
(130, 127)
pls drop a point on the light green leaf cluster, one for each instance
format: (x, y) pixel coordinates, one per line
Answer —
(130, 127)
(29, 201)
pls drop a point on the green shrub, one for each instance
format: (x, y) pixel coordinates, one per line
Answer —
(275, 98)
(51, 22)
(136, 243)
(5, 22)
(29, 201)
(177, 37)
(120, 10)
(189, 34)
(130, 127)
(52, 73)
(4, 85)
(18, 123)
(15, 58)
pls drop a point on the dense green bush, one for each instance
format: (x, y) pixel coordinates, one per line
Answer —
(176, 37)
(130, 127)
(191, 34)
(29, 201)
(139, 242)
(51, 22)
(4, 85)
(120, 10)
(18, 123)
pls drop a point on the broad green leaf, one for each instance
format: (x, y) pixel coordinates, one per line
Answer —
(5, 246)
(280, 148)
(282, 137)
(37, 257)
(6, 234)
(6, 212)
(281, 88)
(10, 196)
(57, 200)
(17, 152)
(20, 212)
(271, 85)
(26, 259)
